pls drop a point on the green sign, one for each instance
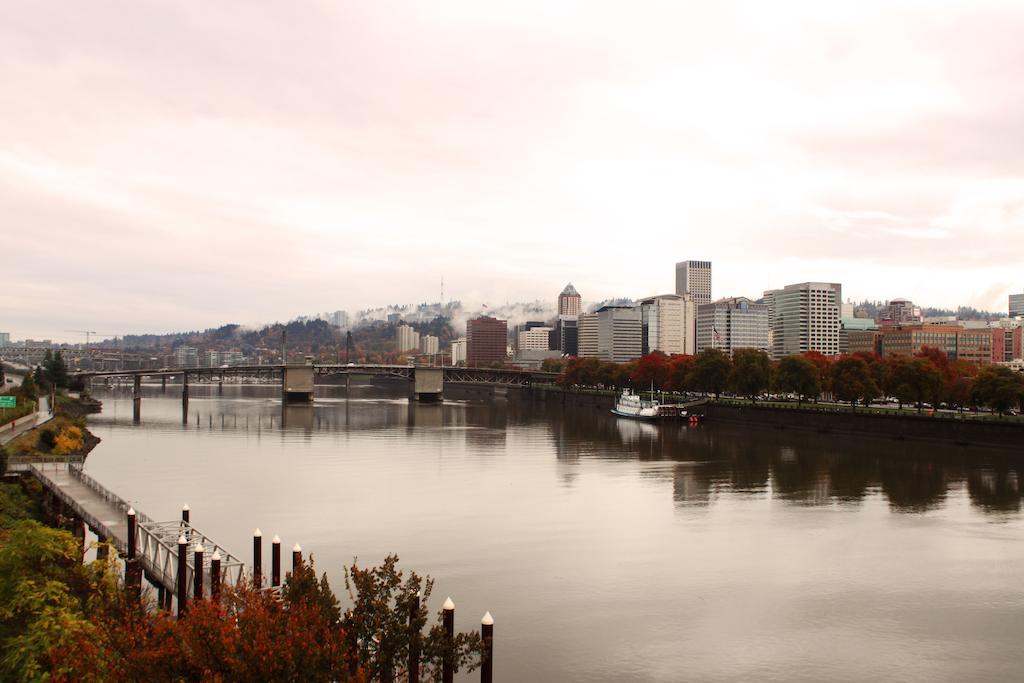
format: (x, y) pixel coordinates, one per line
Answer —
(8, 401)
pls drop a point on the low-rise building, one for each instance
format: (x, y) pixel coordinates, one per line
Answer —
(957, 342)
(534, 339)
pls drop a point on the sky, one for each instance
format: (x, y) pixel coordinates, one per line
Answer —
(170, 167)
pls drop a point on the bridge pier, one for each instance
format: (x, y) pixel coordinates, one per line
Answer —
(184, 398)
(297, 383)
(428, 384)
(136, 398)
(163, 383)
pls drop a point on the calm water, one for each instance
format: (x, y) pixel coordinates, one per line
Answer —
(608, 549)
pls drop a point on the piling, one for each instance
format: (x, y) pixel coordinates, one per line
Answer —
(215, 577)
(487, 635)
(448, 663)
(257, 558)
(186, 513)
(275, 562)
(414, 640)
(132, 532)
(182, 576)
(197, 573)
(296, 557)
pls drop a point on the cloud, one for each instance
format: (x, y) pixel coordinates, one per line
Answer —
(175, 166)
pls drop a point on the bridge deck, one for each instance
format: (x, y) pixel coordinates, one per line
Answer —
(156, 542)
(102, 515)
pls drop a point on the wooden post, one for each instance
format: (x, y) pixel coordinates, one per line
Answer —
(136, 398)
(275, 562)
(448, 663)
(296, 557)
(414, 640)
(133, 579)
(215, 577)
(184, 398)
(161, 596)
(257, 558)
(487, 663)
(197, 573)
(186, 513)
(102, 550)
(182, 576)
(132, 531)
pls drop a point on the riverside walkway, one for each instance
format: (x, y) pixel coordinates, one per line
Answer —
(156, 543)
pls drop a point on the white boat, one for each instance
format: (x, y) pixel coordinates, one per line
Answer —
(631, 405)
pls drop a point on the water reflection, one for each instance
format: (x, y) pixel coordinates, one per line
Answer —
(800, 468)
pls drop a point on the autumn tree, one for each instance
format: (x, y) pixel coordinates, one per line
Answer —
(798, 375)
(679, 367)
(751, 372)
(852, 381)
(651, 370)
(710, 372)
(824, 365)
(999, 388)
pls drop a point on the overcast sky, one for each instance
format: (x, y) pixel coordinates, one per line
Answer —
(177, 168)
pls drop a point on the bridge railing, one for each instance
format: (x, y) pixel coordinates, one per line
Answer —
(158, 550)
(107, 495)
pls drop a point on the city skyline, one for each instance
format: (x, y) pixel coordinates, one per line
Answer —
(150, 165)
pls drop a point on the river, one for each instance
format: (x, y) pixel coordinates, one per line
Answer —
(606, 549)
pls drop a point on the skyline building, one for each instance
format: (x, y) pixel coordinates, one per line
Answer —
(667, 324)
(459, 351)
(406, 338)
(486, 341)
(694, 278)
(899, 312)
(806, 318)
(619, 333)
(536, 338)
(429, 344)
(732, 323)
(569, 301)
(587, 330)
(1016, 305)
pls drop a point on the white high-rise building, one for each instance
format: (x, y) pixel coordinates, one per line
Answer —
(1016, 305)
(694, 278)
(429, 344)
(587, 340)
(806, 318)
(459, 351)
(731, 324)
(535, 339)
(619, 333)
(407, 338)
(668, 323)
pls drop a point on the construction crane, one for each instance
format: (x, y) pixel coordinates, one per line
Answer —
(89, 333)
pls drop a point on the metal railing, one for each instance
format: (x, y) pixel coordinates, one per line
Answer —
(107, 495)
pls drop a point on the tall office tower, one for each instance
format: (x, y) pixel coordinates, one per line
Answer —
(1016, 305)
(807, 319)
(730, 324)
(486, 341)
(407, 338)
(587, 335)
(569, 301)
(565, 337)
(694, 278)
(619, 333)
(667, 324)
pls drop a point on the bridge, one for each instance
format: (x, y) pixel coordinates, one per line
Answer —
(298, 381)
(183, 570)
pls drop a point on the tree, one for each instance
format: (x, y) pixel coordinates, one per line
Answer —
(751, 372)
(55, 370)
(651, 371)
(552, 365)
(824, 365)
(999, 388)
(710, 372)
(798, 375)
(679, 368)
(852, 381)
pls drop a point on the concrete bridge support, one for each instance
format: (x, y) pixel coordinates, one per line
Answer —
(136, 398)
(297, 384)
(428, 384)
(184, 398)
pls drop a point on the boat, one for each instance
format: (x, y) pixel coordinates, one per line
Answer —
(631, 405)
